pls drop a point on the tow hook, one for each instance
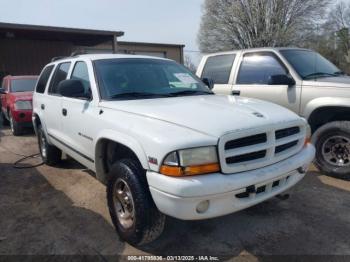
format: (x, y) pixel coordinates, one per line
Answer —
(282, 196)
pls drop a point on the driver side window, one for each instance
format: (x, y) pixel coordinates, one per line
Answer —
(80, 72)
(256, 68)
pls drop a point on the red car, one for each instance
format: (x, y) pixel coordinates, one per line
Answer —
(16, 94)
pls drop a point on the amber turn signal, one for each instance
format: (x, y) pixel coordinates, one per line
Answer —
(177, 171)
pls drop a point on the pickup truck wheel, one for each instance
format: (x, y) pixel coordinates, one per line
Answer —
(133, 212)
(332, 143)
(16, 129)
(50, 155)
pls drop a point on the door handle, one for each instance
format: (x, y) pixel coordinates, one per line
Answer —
(42, 106)
(236, 92)
(64, 111)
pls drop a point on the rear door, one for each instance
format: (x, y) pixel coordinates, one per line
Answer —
(252, 76)
(53, 102)
(79, 120)
(219, 69)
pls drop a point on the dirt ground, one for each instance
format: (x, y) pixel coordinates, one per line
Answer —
(62, 211)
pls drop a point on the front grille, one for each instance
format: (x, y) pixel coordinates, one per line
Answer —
(284, 147)
(287, 132)
(255, 148)
(246, 141)
(246, 157)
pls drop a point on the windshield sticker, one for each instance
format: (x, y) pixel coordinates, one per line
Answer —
(186, 78)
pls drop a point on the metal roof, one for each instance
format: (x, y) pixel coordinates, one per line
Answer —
(74, 35)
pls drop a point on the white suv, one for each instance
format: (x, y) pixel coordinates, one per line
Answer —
(162, 142)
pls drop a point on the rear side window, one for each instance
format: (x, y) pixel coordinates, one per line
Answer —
(257, 68)
(218, 68)
(44, 77)
(59, 75)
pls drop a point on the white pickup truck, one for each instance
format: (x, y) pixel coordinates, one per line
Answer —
(298, 79)
(162, 142)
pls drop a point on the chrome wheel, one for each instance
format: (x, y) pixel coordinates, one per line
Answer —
(124, 203)
(12, 124)
(43, 145)
(336, 151)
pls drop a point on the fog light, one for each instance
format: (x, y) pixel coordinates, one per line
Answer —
(303, 169)
(202, 206)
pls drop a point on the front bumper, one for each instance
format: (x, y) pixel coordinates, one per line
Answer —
(179, 197)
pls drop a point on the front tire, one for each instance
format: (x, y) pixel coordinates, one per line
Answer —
(50, 154)
(133, 212)
(4, 120)
(16, 128)
(332, 142)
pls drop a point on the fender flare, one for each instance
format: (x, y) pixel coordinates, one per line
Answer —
(321, 102)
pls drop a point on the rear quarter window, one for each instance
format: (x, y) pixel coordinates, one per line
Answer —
(218, 68)
(44, 77)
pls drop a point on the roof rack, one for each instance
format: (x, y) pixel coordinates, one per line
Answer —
(57, 58)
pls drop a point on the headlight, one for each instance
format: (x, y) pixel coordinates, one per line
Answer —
(189, 162)
(23, 105)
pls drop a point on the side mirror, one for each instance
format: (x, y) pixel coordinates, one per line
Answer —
(72, 88)
(2, 91)
(281, 80)
(208, 82)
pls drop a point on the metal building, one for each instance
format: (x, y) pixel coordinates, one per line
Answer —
(25, 49)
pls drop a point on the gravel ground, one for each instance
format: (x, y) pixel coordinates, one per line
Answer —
(62, 211)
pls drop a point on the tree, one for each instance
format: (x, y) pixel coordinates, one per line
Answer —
(232, 24)
(189, 64)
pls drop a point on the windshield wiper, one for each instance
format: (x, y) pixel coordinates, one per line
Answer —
(191, 92)
(337, 73)
(319, 74)
(138, 95)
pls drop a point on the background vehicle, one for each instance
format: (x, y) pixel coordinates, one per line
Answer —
(150, 130)
(300, 80)
(16, 95)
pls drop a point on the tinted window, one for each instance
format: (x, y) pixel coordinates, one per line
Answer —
(60, 75)
(44, 77)
(218, 68)
(136, 78)
(80, 72)
(23, 85)
(310, 64)
(257, 68)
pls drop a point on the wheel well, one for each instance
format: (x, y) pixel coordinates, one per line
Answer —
(37, 121)
(107, 153)
(324, 115)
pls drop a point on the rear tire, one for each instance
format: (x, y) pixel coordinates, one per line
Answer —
(332, 142)
(132, 209)
(50, 154)
(15, 126)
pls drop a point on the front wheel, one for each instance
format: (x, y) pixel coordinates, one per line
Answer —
(332, 142)
(133, 212)
(16, 129)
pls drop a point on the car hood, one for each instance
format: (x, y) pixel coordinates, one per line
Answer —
(339, 81)
(213, 115)
(22, 95)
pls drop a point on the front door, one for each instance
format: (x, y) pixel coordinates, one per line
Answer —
(79, 118)
(253, 76)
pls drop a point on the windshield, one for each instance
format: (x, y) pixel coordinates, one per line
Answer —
(138, 78)
(309, 64)
(23, 85)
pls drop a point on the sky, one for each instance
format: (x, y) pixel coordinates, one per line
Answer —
(158, 21)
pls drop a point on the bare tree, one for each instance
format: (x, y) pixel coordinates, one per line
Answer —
(229, 24)
(189, 64)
